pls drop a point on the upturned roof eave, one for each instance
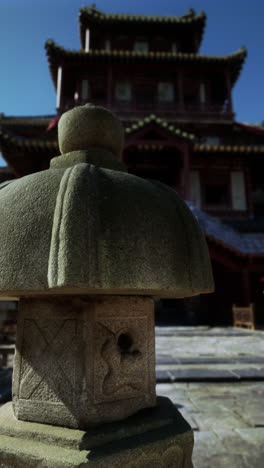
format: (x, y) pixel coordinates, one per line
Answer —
(11, 140)
(10, 121)
(232, 250)
(92, 13)
(90, 16)
(236, 149)
(163, 124)
(58, 55)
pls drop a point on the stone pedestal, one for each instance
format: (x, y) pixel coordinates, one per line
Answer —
(83, 361)
(155, 437)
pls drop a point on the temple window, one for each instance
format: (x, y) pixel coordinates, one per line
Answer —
(216, 190)
(123, 91)
(85, 90)
(99, 92)
(238, 191)
(195, 188)
(87, 40)
(121, 43)
(160, 44)
(166, 92)
(141, 46)
(191, 92)
(212, 140)
(215, 194)
(202, 93)
(145, 93)
(107, 44)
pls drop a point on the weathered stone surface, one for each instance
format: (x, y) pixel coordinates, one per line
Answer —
(158, 438)
(90, 126)
(81, 228)
(81, 362)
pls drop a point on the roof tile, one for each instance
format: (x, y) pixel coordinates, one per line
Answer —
(243, 243)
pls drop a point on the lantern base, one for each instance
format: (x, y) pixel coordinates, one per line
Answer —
(82, 361)
(156, 437)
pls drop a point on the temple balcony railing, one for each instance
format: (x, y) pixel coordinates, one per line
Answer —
(131, 110)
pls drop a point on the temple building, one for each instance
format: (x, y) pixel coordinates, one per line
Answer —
(180, 128)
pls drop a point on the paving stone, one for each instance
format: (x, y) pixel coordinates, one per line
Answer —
(251, 359)
(178, 396)
(172, 387)
(190, 418)
(221, 461)
(253, 436)
(216, 406)
(207, 360)
(252, 416)
(163, 376)
(234, 442)
(198, 373)
(167, 359)
(228, 409)
(223, 342)
(254, 459)
(218, 420)
(202, 374)
(206, 443)
(250, 373)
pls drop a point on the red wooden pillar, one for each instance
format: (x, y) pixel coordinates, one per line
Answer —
(229, 93)
(248, 186)
(59, 89)
(180, 90)
(186, 173)
(196, 42)
(246, 287)
(109, 86)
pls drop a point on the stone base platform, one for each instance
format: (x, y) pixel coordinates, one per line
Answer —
(155, 437)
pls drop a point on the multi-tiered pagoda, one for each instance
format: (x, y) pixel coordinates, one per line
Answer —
(176, 106)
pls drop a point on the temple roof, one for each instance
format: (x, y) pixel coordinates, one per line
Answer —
(8, 136)
(35, 120)
(91, 13)
(245, 149)
(7, 139)
(91, 16)
(221, 233)
(161, 123)
(58, 55)
(255, 129)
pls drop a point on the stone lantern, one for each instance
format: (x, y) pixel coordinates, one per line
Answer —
(85, 246)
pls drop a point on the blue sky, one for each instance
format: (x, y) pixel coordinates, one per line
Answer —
(25, 25)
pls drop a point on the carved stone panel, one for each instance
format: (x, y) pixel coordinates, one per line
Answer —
(83, 361)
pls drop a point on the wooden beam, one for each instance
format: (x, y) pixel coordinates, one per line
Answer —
(9, 298)
(59, 83)
(248, 187)
(109, 86)
(229, 92)
(224, 258)
(180, 91)
(87, 40)
(246, 287)
(186, 173)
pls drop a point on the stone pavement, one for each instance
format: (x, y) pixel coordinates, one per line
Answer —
(209, 354)
(216, 378)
